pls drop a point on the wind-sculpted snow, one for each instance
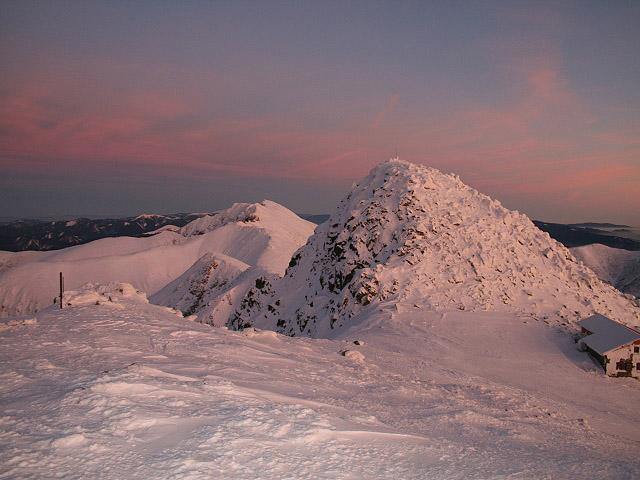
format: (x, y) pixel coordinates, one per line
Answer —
(413, 235)
(262, 236)
(111, 293)
(124, 389)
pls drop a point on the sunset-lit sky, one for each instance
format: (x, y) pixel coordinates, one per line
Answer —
(113, 108)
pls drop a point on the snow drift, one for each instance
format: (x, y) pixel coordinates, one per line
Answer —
(127, 389)
(411, 235)
(262, 235)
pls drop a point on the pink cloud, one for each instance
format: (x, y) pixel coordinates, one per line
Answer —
(530, 142)
(144, 130)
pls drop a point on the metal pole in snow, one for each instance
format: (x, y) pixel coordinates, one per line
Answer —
(61, 288)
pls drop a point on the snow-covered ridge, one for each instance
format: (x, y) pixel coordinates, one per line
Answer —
(620, 268)
(146, 216)
(409, 234)
(28, 280)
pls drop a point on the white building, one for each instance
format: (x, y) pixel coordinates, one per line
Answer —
(615, 346)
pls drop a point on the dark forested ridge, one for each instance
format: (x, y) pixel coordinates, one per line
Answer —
(577, 235)
(22, 235)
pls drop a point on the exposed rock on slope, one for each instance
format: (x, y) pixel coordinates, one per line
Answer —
(620, 268)
(204, 280)
(413, 235)
(211, 288)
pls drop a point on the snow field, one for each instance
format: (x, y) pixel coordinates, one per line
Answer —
(126, 389)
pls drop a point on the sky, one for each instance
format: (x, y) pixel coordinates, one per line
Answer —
(117, 108)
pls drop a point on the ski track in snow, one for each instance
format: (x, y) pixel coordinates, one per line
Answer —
(131, 390)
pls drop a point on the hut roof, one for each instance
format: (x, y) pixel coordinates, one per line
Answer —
(606, 334)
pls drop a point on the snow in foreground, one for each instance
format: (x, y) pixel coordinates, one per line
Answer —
(125, 389)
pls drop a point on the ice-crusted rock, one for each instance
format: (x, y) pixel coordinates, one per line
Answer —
(353, 355)
(413, 235)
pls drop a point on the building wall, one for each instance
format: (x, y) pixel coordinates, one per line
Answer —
(595, 355)
(635, 358)
(624, 354)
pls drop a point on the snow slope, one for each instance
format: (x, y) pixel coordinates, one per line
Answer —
(262, 235)
(408, 234)
(210, 288)
(127, 389)
(620, 268)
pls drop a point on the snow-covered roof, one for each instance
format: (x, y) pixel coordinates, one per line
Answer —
(606, 334)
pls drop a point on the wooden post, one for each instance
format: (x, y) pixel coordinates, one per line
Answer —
(61, 288)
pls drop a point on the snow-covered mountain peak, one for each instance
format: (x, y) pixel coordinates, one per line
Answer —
(410, 234)
(259, 214)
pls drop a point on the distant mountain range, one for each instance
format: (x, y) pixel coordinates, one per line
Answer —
(44, 235)
(580, 234)
(41, 235)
